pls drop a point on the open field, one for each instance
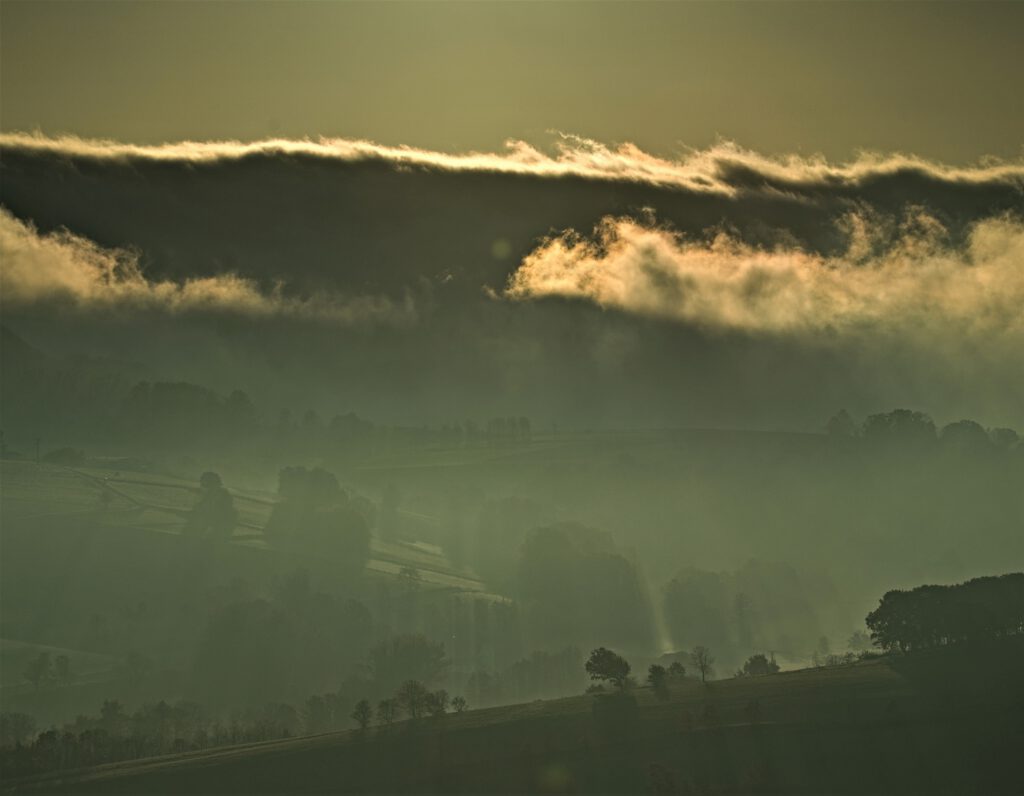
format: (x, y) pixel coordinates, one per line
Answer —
(907, 725)
(157, 503)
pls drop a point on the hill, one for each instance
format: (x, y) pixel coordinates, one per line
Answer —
(943, 722)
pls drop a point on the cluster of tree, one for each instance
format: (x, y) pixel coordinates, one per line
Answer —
(508, 430)
(315, 513)
(576, 588)
(170, 413)
(605, 666)
(501, 527)
(406, 658)
(760, 605)
(213, 516)
(543, 675)
(154, 729)
(931, 616)
(411, 699)
(45, 670)
(911, 427)
(281, 648)
(758, 665)
(163, 728)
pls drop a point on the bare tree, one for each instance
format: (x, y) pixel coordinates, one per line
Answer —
(459, 704)
(702, 662)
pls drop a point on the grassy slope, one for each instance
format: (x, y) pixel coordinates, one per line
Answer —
(924, 725)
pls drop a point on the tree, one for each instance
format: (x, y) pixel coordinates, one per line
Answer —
(39, 670)
(930, 616)
(16, 728)
(410, 657)
(859, 641)
(62, 669)
(214, 515)
(436, 703)
(840, 425)
(412, 698)
(702, 662)
(604, 664)
(362, 713)
(904, 425)
(676, 669)
(317, 715)
(575, 585)
(1005, 438)
(459, 704)
(657, 676)
(112, 717)
(387, 711)
(965, 435)
(759, 664)
(138, 666)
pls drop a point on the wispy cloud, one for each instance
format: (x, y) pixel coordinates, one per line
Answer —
(725, 169)
(69, 269)
(919, 284)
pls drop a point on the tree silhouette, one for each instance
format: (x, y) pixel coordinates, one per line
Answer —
(407, 657)
(900, 425)
(657, 676)
(39, 670)
(702, 662)
(604, 664)
(412, 698)
(437, 703)
(387, 711)
(213, 515)
(932, 616)
(15, 729)
(362, 713)
(759, 664)
(841, 425)
(62, 669)
(459, 704)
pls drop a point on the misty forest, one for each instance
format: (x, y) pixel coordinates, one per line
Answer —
(529, 466)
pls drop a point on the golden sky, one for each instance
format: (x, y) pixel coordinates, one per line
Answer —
(940, 80)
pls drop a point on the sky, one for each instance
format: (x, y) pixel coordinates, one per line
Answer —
(940, 80)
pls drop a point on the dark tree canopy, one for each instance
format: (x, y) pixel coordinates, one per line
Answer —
(604, 664)
(759, 664)
(932, 616)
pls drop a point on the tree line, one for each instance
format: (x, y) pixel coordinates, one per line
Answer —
(932, 616)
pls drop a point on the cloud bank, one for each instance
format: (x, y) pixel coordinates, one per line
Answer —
(725, 169)
(919, 286)
(770, 290)
(69, 270)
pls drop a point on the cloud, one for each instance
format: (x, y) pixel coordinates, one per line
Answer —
(919, 284)
(67, 269)
(790, 285)
(723, 169)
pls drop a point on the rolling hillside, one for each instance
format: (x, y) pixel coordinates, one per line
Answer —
(913, 725)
